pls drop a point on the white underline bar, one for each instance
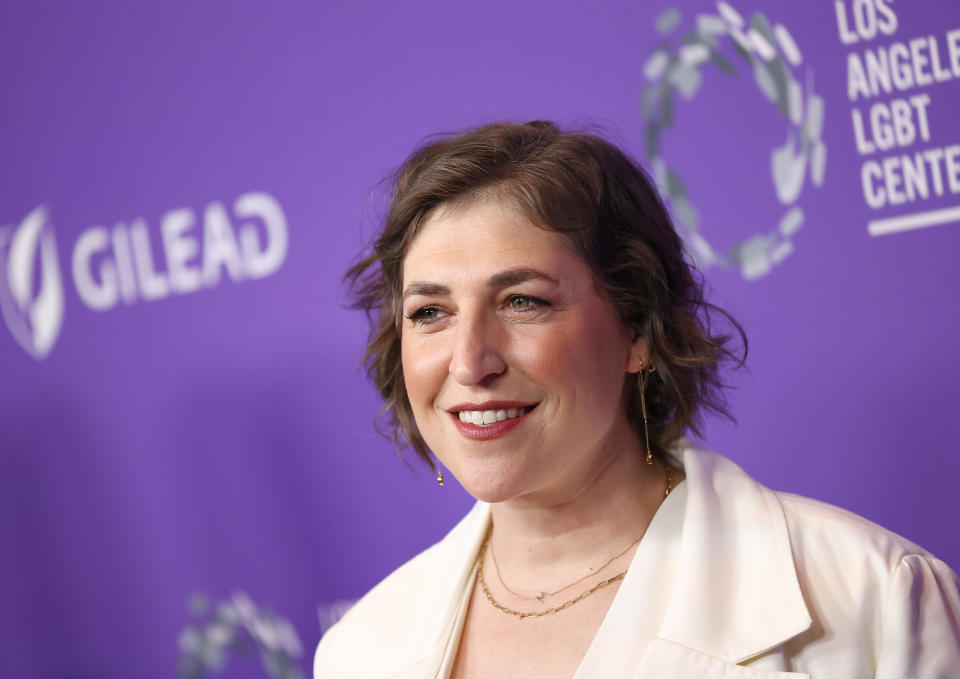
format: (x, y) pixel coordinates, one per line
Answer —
(918, 220)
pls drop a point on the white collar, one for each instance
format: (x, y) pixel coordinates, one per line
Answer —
(737, 593)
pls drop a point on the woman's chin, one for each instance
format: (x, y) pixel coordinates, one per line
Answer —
(490, 489)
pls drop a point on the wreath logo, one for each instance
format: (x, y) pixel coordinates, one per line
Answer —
(678, 67)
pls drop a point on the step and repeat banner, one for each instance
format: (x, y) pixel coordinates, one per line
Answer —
(190, 480)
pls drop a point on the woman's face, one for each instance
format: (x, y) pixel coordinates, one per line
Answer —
(514, 364)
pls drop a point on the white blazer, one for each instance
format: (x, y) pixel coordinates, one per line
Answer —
(769, 585)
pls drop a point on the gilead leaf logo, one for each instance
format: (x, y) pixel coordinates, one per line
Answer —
(31, 289)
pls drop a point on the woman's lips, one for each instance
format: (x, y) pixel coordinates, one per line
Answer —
(490, 420)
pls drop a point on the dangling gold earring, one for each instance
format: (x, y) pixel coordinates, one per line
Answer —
(642, 383)
(440, 477)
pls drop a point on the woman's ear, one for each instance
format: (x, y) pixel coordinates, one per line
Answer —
(639, 356)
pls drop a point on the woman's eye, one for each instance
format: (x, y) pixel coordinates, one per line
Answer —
(524, 302)
(425, 315)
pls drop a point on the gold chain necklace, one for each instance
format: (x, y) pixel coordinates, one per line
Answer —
(569, 602)
(543, 595)
(539, 614)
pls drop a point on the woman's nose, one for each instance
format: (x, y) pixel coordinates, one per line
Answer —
(476, 354)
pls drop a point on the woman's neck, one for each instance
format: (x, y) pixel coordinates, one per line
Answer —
(541, 543)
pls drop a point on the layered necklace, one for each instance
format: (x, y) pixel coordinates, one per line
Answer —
(488, 546)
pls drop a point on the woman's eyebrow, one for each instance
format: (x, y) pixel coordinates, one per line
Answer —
(500, 280)
(518, 275)
(425, 288)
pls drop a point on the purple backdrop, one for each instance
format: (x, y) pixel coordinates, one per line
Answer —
(198, 423)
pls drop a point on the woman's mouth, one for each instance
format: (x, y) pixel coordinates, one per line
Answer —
(487, 418)
(485, 421)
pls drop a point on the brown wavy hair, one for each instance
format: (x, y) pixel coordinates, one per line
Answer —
(585, 188)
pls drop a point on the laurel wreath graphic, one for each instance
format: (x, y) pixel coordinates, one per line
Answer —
(677, 69)
(236, 626)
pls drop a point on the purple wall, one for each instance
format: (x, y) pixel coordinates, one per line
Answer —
(206, 429)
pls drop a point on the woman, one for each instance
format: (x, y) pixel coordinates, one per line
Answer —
(540, 332)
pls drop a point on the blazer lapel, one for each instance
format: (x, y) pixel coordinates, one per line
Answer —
(737, 593)
(427, 630)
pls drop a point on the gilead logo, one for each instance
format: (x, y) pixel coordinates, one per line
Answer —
(122, 264)
(33, 312)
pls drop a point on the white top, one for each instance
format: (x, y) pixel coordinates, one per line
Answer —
(765, 585)
(651, 576)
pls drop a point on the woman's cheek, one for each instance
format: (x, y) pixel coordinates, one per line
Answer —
(424, 369)
(540, 352)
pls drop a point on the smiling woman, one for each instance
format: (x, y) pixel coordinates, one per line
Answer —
(612, 220)
(513, 321)
(538, 331)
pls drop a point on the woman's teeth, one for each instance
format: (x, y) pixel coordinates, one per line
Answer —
(485, 418)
